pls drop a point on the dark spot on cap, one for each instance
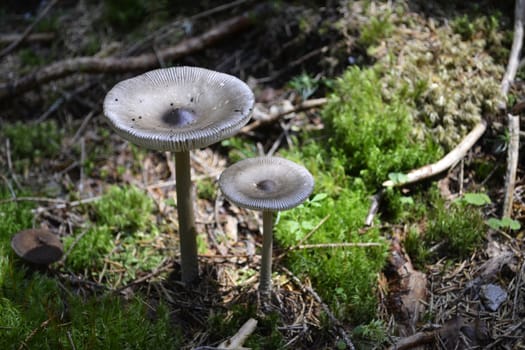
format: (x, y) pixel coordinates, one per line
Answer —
(179, 117)
(191, 99)
(116, 99)
(266, 185)
(171, 104)
(237, 110)
(140, 117)
(132, 119)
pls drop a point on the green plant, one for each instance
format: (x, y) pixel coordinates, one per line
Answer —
(305, 85)
(504, 223)
(477, 199)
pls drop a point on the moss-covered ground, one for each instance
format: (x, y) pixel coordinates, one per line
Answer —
(403, 82)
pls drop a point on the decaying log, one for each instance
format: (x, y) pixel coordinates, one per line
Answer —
(143, 62)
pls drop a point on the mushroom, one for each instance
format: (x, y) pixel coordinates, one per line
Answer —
(267, 184)
(37, 246)
(180, 109)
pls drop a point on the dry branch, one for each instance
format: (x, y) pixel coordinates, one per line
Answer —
(35, 37)
(237, 341)
(446, 162)
(512, 164)
(272, 118)
(514, 128)
(28, 30)
(66, 67)
(517, 42)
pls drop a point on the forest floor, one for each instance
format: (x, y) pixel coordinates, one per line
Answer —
(63, 169)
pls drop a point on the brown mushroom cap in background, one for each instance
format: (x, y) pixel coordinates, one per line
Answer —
(178, 108)
(266, 183)
(37, 246)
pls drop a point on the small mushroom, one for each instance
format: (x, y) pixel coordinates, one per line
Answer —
(268, 184)
(180, 109)
(37, 246)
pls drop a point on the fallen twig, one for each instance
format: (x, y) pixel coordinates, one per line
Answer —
(517, 42)
(272, 118)
(514, 128)
(237, 341)
(28, 30)
(374, 208)
(35, 37)
(69, 66)
(446, 162)
(512, 164)
(336, 245)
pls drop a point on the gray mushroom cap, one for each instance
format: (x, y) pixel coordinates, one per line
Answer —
(37, 246)
(266, 183)
(178, 108)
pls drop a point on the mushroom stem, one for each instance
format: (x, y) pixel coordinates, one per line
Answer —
(265, 283)
(187, 232)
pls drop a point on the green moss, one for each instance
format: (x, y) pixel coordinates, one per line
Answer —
(89, 249)
(451, 81)
(458, 227)
(206, 189)
(124, 208)
(346, 278)
(32, 142)
(36, 311)
(122, 232)
(375, 134)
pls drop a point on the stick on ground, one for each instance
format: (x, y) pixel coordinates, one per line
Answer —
(446, 162)
(512, 164)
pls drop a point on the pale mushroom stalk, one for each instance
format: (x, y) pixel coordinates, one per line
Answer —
(265, 283)
(187, 231)
(268, 184)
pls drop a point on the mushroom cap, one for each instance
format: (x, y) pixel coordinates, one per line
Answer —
(37, 246)
(266, 183)
(178, 108)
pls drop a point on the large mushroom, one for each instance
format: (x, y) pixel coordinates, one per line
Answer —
(180, 109)
(268, 184)
(37, 246)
